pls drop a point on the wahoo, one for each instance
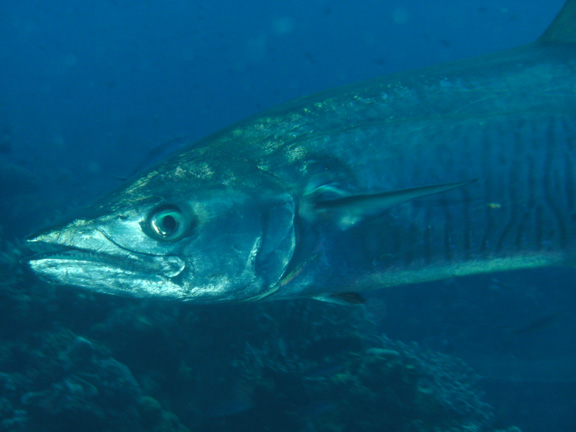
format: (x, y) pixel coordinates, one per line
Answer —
(452, 170)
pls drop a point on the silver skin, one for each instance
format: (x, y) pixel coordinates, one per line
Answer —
(223, 243)
(448, 171)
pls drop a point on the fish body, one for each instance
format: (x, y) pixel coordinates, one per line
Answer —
(451, 170)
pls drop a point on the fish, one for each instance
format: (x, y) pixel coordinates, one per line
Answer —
(16, 180)
(448, 171)
(538, 324)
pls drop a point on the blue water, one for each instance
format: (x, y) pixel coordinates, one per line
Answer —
(89, 88)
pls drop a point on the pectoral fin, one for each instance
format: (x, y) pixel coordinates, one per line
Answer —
(350, 209)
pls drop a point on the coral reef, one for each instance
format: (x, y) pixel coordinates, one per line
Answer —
(71, 360)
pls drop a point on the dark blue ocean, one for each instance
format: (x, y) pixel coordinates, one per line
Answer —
(92, 90)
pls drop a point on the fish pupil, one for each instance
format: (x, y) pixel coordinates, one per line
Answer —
(169, 224)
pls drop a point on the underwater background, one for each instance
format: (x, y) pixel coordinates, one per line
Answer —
(91, 91)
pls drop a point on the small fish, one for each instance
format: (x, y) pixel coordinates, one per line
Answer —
(324, 372)
(235, 401)
(227, 409)
(538, 324)
(451, 170)
(318, 409)
(15, 180)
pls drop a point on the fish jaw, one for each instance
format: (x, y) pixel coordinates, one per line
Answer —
(82, 254)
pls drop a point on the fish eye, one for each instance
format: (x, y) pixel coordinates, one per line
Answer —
(167, 223)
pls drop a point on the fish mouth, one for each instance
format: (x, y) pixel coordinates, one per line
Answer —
(75, 256)
(121, 273)
(44, 250)
(48, 255)
(41, 250)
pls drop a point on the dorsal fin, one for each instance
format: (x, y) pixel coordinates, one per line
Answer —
(563, 28)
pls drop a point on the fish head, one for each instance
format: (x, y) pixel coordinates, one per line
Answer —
(177, 232)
